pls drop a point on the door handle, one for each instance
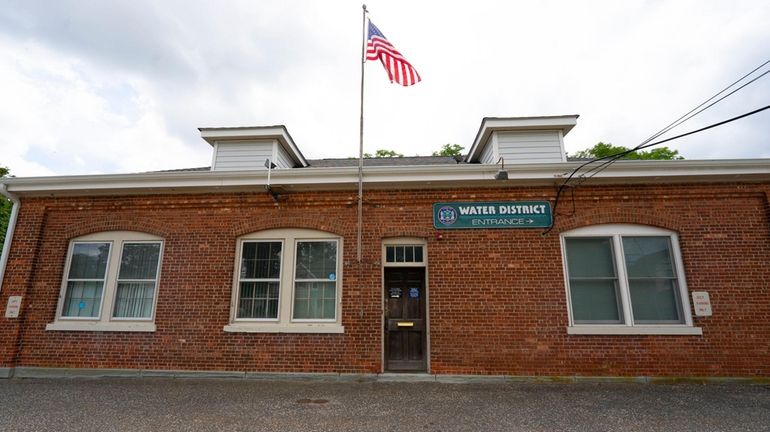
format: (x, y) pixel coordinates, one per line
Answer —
(405, 324)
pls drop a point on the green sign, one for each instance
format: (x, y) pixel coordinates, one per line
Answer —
(486, 215)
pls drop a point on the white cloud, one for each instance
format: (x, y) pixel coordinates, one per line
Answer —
(122, 87)
(62, 118)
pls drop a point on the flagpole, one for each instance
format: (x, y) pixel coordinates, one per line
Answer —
(361, 141)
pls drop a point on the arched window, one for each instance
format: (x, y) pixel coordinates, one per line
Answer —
(625, 279)
(110, 282)
(287, 281)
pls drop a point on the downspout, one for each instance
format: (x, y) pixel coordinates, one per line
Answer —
(9, 233)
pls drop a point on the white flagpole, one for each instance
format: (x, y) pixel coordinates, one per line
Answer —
(361, 142)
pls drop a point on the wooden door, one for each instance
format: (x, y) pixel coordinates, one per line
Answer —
(405, 329)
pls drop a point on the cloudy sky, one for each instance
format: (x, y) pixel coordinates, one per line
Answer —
(123, 85)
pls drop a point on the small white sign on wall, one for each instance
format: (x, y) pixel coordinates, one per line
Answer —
(13, 307)
(701, 302)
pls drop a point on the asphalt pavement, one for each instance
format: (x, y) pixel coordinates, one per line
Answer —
(161, 404)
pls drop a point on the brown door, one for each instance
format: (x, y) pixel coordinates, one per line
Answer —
(405, 329)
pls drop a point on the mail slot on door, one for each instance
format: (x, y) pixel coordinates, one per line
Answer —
(405, 324)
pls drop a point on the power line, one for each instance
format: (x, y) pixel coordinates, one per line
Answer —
(618, 155)
(677, 122)
(689, 115)
(682, 119)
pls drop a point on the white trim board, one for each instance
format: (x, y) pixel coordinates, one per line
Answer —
(424, 177)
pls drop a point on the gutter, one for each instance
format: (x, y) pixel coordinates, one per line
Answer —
(430, 176)
(9, 232)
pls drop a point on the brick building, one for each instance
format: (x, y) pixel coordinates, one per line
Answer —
(652, 268)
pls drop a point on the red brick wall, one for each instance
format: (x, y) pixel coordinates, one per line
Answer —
(497, 297)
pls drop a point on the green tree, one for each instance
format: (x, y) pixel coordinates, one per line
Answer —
(606, 149)
(5, 210)
(450, 150)
(382, 153)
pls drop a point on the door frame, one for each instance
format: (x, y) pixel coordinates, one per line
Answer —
(404, 241)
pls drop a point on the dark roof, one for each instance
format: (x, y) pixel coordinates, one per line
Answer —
(388, 161)
(353, 162)
(206, 168)
(370, 162)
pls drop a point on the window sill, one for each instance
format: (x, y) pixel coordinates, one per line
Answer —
(278, 328)
(635, 330)
(101, 326)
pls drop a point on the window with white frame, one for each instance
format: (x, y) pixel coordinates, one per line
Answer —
(110, 282)
(404, 254)
(288, 280)
(259, 280)
(625, 277)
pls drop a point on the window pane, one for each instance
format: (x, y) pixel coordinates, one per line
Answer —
(589, 257)
(139, 261)
(316, 259)
(418, 254)
(390, 254)
(89, 260)
(594, 300)
(409, 254)
(399, 254)
(654, 300)
(83, 299)
(258, 300)
(134, 299)
(648, 256)
(261, 260)
(315, 300)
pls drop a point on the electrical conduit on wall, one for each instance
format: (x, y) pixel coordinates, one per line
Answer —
(9, 232)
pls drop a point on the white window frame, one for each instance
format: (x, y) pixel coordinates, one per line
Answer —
(105, 321)
(66, 281)
(237, 291)
(285, 322)
(294, 281)
(117, 279)
(615, 232)
(397, 242)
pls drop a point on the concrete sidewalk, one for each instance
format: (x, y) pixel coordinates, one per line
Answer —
(79, 404)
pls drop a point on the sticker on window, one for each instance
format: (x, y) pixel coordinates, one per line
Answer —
(414, 292)
(332, 276)
(395, 292)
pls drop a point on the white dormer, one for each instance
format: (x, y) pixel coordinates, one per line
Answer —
(520, 140)
(247, 148)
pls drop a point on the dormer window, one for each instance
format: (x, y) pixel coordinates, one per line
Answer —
(248, 148)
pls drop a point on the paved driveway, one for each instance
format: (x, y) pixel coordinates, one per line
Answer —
(220, 404)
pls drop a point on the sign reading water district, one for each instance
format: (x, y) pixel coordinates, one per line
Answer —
(485, 215)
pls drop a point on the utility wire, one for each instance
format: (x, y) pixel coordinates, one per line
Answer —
(687, 116)
(599, 168)
(612, 158)
(680, 120)
(623, 153)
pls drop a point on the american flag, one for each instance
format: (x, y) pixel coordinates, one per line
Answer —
(398, 68)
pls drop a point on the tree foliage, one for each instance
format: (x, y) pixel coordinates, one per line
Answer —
(5, 210)
(450, 150)
(606, 149)
(382, 153)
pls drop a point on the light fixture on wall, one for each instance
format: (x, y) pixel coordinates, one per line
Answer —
(502, 174)
(270, 165)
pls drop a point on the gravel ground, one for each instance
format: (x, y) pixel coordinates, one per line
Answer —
(240, 405)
